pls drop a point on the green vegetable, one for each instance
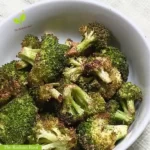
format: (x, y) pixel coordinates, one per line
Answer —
(12, 82)
(127, 95)
(93, 34)
(17, 119)
(118, 60)
(77, 104)
(52, 134)
(96, 133)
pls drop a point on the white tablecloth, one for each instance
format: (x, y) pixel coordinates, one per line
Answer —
(137, 10)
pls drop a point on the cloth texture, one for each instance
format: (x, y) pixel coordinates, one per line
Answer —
(137, 10)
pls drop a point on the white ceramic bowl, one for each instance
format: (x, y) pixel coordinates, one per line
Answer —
(63, 17)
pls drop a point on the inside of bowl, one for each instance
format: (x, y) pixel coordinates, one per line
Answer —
(64, 20)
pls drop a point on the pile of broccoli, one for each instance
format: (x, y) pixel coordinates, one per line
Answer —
(67, 96)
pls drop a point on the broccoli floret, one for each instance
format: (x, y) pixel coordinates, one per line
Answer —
(100, 67)
(52, 134)
(17, 119)
(77, 104)
(86, 83)
(113, 108)
(46, 92)
(48, 62)
(108, 76)
(97, 134)
(93, 34)
(127, 95)
(75, 71)
(12, 82)
(48, 41)
(118, 60)
(109, 90)
(29, 41)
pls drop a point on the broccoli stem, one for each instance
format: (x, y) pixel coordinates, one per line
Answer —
(86, 43)
(48, 91)
(119, 115)
(103, 75)
(55, 94)
(27, 54)
(120, 130)
(81, 97)
(81, 47)
(130, 106)
(124, 107)
(68, 97)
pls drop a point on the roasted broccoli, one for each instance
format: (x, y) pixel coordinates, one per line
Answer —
(31, 42)
(109, 77)
(118, 60)
(97, 134)
(75, 71)
(77, 104)
(52, 134)
(48, 62)
(127, 95)
(12, 82)
(117, 115)
(100, 67)
(17, 119)
(45, 92)
(93, 34)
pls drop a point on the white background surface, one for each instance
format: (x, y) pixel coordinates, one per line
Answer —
(137, 10)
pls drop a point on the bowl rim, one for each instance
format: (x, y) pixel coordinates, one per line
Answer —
(117, 13)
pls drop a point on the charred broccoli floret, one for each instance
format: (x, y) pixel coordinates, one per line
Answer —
(127, 95)
(86, 83)
(93, 34)
(96, 133)
(75, 71)
(100, 67)
(17, 119)
(116, 115)
(52, 134)
(46, 92)
(48, 62)
(31, 42)
(118, 60)
(108, 76)
(77, 104)
(12, 82)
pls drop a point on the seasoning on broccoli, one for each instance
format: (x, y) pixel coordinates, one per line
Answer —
(117, 115)
(48, 62)
(12, 82)
(29, 42)
(46, 92)
(100, 67)
(77, 104)
(93, 34)
(97, 134)
(17, 119)
(75, 71)
(52, 134)
(127, 95)
(118, 60)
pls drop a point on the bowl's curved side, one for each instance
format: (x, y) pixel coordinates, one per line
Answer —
(53, 16)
